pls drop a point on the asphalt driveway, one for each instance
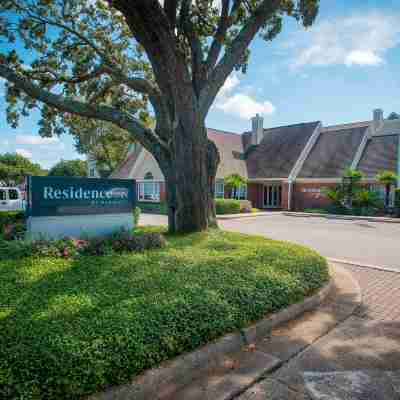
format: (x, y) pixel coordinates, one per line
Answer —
(358, 241)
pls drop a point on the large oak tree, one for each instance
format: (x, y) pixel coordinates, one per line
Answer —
(105, 60)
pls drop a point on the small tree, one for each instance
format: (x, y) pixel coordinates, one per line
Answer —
(72, 168)
(389, 179)
(351, 181)
(14, 168)
(393, 115)
(235, 181)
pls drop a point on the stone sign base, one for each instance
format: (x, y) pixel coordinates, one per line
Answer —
(80, 226)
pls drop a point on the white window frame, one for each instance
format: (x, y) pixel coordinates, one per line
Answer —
(154, 193)
(218, 193)
(239, 193)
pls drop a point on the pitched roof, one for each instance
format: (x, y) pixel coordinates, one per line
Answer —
(278, 152)
(389, 127)
(380, 154)
(333, 152)
(230, 147)
(126, 167)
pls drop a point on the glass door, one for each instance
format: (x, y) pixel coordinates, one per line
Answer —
(273, 196)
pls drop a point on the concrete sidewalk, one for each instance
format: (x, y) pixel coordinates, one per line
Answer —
(268, 353)
(358, 359)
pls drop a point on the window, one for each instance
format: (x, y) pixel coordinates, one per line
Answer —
(148, 176)
(149, 191)
(2, 194)
(91, 172)
(239, 193)
(13, 194)
(219, 189)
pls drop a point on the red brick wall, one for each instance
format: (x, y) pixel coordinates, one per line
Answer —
(309, 195)
(285, 196)
(255, 194)
(163, 195)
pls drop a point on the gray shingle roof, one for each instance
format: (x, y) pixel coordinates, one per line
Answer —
(278, 152)
(380, 154)
(334, 152)
(230, 148)
(390, 127)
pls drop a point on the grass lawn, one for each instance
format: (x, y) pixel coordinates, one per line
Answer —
(71, 327)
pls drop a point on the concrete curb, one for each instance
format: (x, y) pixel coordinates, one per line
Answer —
(174, 375)
(362, 265)
(244, 215)
(343, 217)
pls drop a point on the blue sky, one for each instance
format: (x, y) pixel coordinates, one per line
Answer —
(338, 71)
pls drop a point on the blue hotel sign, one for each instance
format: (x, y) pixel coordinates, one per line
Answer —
(59, 196)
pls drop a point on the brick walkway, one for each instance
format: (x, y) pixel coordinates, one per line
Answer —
(380, 293)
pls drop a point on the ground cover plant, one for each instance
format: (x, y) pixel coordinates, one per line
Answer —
(70, 327)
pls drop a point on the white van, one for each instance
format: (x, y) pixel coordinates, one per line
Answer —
(11, 199)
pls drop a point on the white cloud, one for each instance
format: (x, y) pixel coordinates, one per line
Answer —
(34, 140)
(24, 153)
(358, 40)
(4, 143)
(241, 104)
(363, 57)
(244, 106)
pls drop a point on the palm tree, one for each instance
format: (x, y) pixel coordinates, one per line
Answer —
(351, 180)
(389, 179)
(235, 181)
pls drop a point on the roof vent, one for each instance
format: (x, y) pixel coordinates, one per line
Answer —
(257, 129)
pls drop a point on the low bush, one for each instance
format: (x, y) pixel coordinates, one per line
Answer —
(227, 206)
(72, 327)
(71, 247)
(12, 224)
(153, 208)
(136, 216)
(315, 210)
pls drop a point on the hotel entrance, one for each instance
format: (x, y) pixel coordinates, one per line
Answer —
(273, 196)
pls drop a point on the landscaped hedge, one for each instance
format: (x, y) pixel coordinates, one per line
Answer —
(156, 208)
(71, 247)
(227, 206)
(71, 327)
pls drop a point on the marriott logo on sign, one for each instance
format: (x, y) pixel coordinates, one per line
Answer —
(71, 193)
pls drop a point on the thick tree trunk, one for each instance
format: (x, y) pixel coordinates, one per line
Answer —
(190, 181)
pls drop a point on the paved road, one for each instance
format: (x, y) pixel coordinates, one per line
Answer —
(358, 241)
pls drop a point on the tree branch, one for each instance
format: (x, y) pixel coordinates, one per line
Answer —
(170, 8)
(219, 36)
(235, 52)
(104, 113)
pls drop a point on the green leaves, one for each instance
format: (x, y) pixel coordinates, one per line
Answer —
(77, 168)
(14, 168)
(71, 327)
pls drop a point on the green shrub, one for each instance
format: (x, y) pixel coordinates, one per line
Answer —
(227, 206)
(69, 247)
(136, 216)
(12, 224)
(156, 208)
(315, 210)
(72, 327)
